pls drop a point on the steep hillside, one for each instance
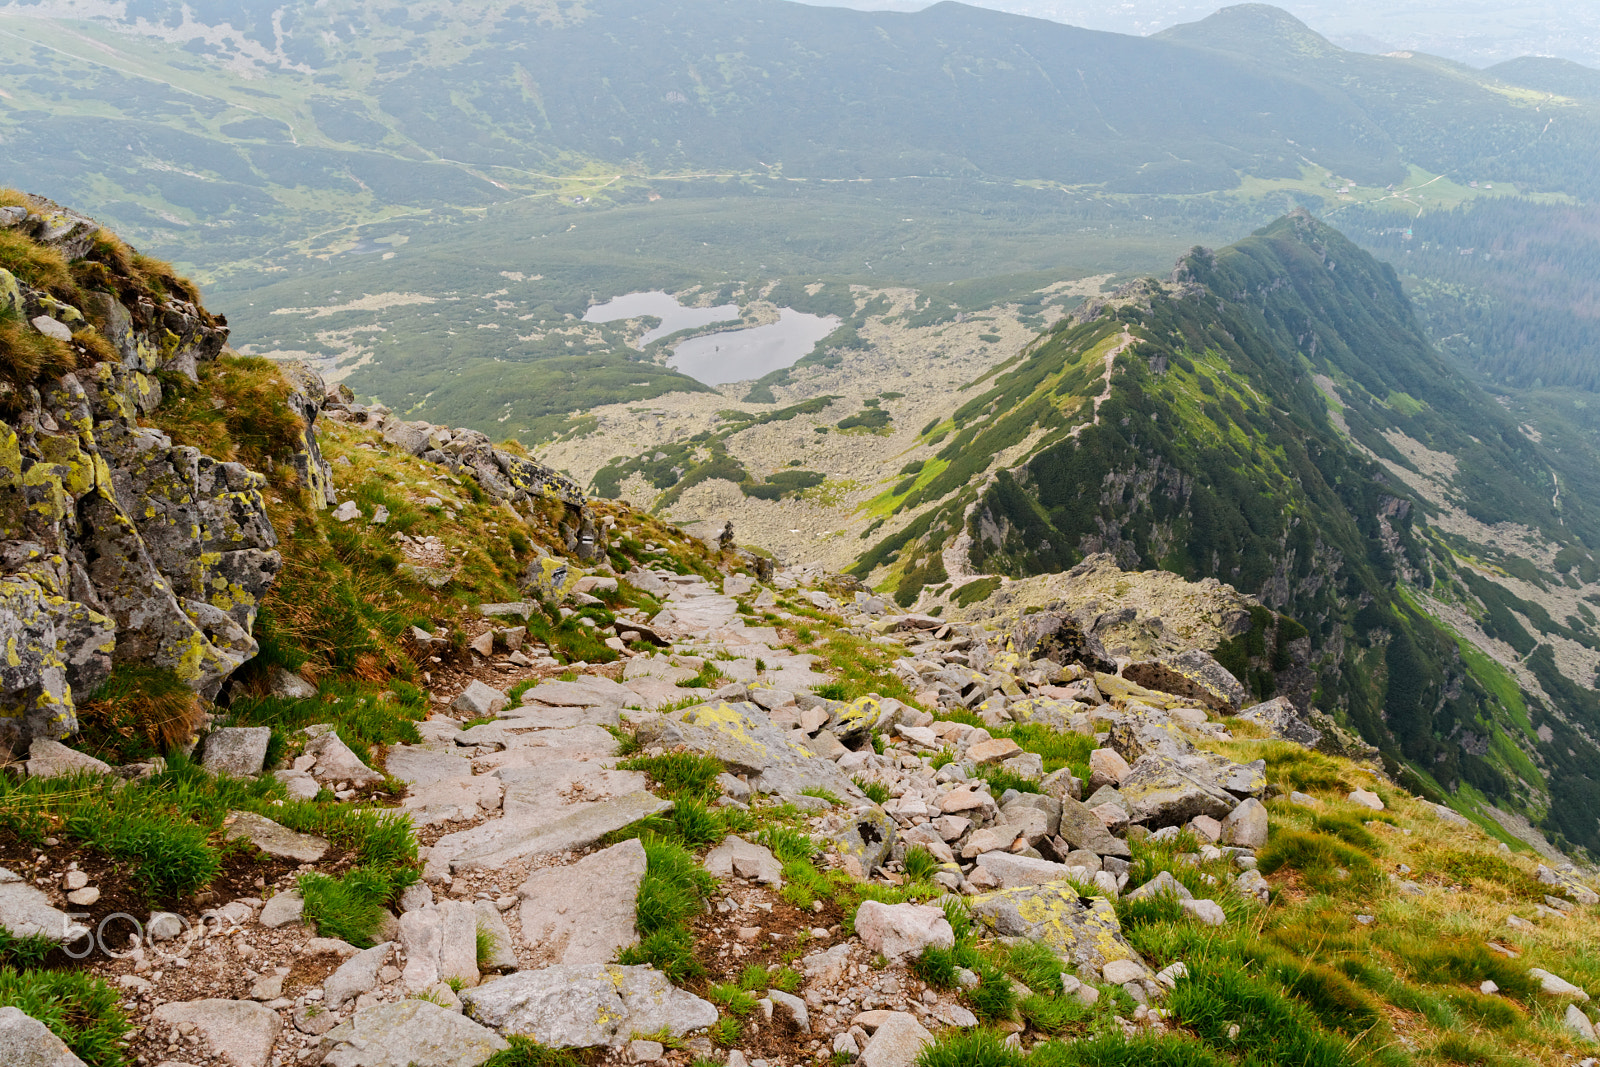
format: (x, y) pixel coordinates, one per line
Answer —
(349, 740)
(1275, 418)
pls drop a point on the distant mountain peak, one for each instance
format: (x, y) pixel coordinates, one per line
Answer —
(1253, 29)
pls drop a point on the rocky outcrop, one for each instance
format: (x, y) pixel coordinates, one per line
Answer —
(116, 544)
(504, 475)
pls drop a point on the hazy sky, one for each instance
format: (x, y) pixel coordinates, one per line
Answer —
(1479, 32)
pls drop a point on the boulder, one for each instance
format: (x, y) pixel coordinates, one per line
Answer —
(745, 739)
(502, 958)
(410, 1033)
(281, 909)
(1283, 720)
(744, 859)
(1082, 829)
(869, 839)
(1577, 1022)
(897, 1042)
(585, 1005)
(1164, 789)
(1366, 799)
(240, 1033)
(1207, 911)
(27, 1042)
(355, 976)
(1551, 985)
(335, 762)
(479, 700)
(1194, 675)
(1106, 767)
(27, 912)
(899, 931)
(1083, 930)
(1163, 884)
(239, 751)
(1247, 825)
(1012, 871)
(583, 912)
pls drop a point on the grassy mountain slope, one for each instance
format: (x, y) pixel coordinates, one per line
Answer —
(1275, 417)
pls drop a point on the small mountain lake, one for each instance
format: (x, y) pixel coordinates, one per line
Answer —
(664, 306)
(725, 356)
(742, 355)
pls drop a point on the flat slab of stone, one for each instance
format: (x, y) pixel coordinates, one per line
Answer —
(241, 1033)
(27, 1042)
(453, 800)
(281, 909)
(273, 839)
(1013, 871)
(744, 738)
(584, 691)
(27, 912)
(542, 814)
(355, 976)
(587, 1005)
(583, 912)
(420, 765)
(52, 759)
(410, 1033)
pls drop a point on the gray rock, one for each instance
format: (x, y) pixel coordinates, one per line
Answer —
(1207, 911)
(1251, 884)
(869, 838)
(1283, 720)
(1168, 789)
(898, 1042)
(1551, 985)
(1083, 930)
(502, 958)
(1013, 871)
(410, 1033)
(355, 976)
(479, 700)
(1576, 1021)
(51, 759)
(1194, 675)
(239, 751)
(273, 839)
(290, 686)
(298, 784)
(583, 912)
(1082, 828)
(440, 943)
(793, 1007)
(335, 762)
(51, 328)
(27, 1042)
(744, 859)
(748, 743)
(238, 1032)
(312, 1018)
(26, 912)
(540, 818)
(1247, 825)
(1163, 884)
(899, 931)
(584, 1005)
(281, 909)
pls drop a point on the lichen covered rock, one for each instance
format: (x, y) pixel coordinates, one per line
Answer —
(1083, 929)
